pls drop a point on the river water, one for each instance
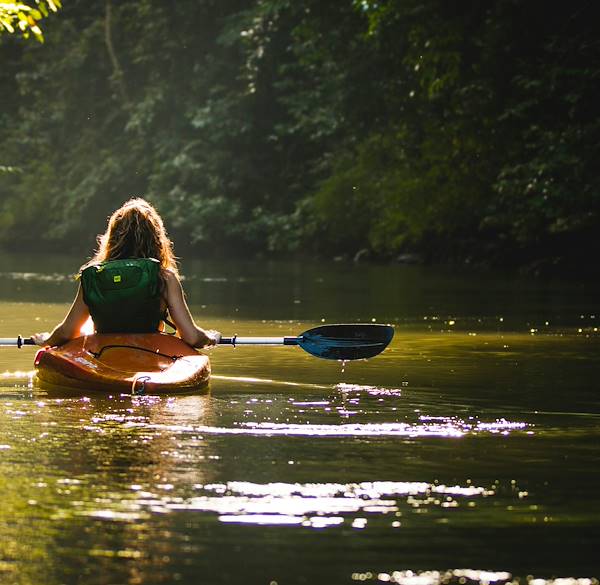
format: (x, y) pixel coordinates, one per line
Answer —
(468, 452)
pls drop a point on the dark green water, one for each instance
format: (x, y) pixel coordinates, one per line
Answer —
(469, 452)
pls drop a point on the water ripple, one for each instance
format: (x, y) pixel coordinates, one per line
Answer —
(447, 427)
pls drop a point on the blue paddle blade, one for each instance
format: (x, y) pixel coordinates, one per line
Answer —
(346, 342)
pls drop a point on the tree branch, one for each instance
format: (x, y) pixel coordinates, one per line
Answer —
(118, 78)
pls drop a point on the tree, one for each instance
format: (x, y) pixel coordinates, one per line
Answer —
(456, 130)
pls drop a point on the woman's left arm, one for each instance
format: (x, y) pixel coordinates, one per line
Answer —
(71, 325)
(180, 313)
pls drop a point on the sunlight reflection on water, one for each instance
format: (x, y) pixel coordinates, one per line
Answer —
(36, 276)
(314, 505)
(447, 427)
(371, 390)
(18, 375)
(462, 577)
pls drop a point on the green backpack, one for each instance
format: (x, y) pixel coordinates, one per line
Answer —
(123, 296)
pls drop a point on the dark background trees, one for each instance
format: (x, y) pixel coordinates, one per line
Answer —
(461, 131)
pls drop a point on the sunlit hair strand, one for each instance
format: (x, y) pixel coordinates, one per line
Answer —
(136, 230)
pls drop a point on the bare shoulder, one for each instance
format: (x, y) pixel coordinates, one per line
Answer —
(172, 284)
(169, 276)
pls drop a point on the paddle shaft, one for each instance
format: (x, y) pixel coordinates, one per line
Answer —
(235, 340)
(18, 341)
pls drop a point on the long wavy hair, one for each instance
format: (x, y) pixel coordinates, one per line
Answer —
(135, 230)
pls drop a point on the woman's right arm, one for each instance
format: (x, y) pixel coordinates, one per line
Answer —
(70, 327)
(180, 313)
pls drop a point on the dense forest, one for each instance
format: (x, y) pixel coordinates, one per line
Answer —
(439, 130)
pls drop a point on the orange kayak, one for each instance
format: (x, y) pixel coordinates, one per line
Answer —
(140, 363)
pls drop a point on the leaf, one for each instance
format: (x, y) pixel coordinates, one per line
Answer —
(6, 24)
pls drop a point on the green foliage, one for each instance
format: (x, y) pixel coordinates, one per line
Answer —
(23, 18)
(491, 134)
(549, 177)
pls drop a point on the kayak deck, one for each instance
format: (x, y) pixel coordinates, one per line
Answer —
(140, 363)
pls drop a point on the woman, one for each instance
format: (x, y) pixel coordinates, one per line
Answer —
(131, 283)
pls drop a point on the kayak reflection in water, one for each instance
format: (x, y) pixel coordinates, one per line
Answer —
(131, 283)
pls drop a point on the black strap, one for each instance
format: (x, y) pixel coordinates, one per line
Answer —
(170, 324)
(97, 354)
